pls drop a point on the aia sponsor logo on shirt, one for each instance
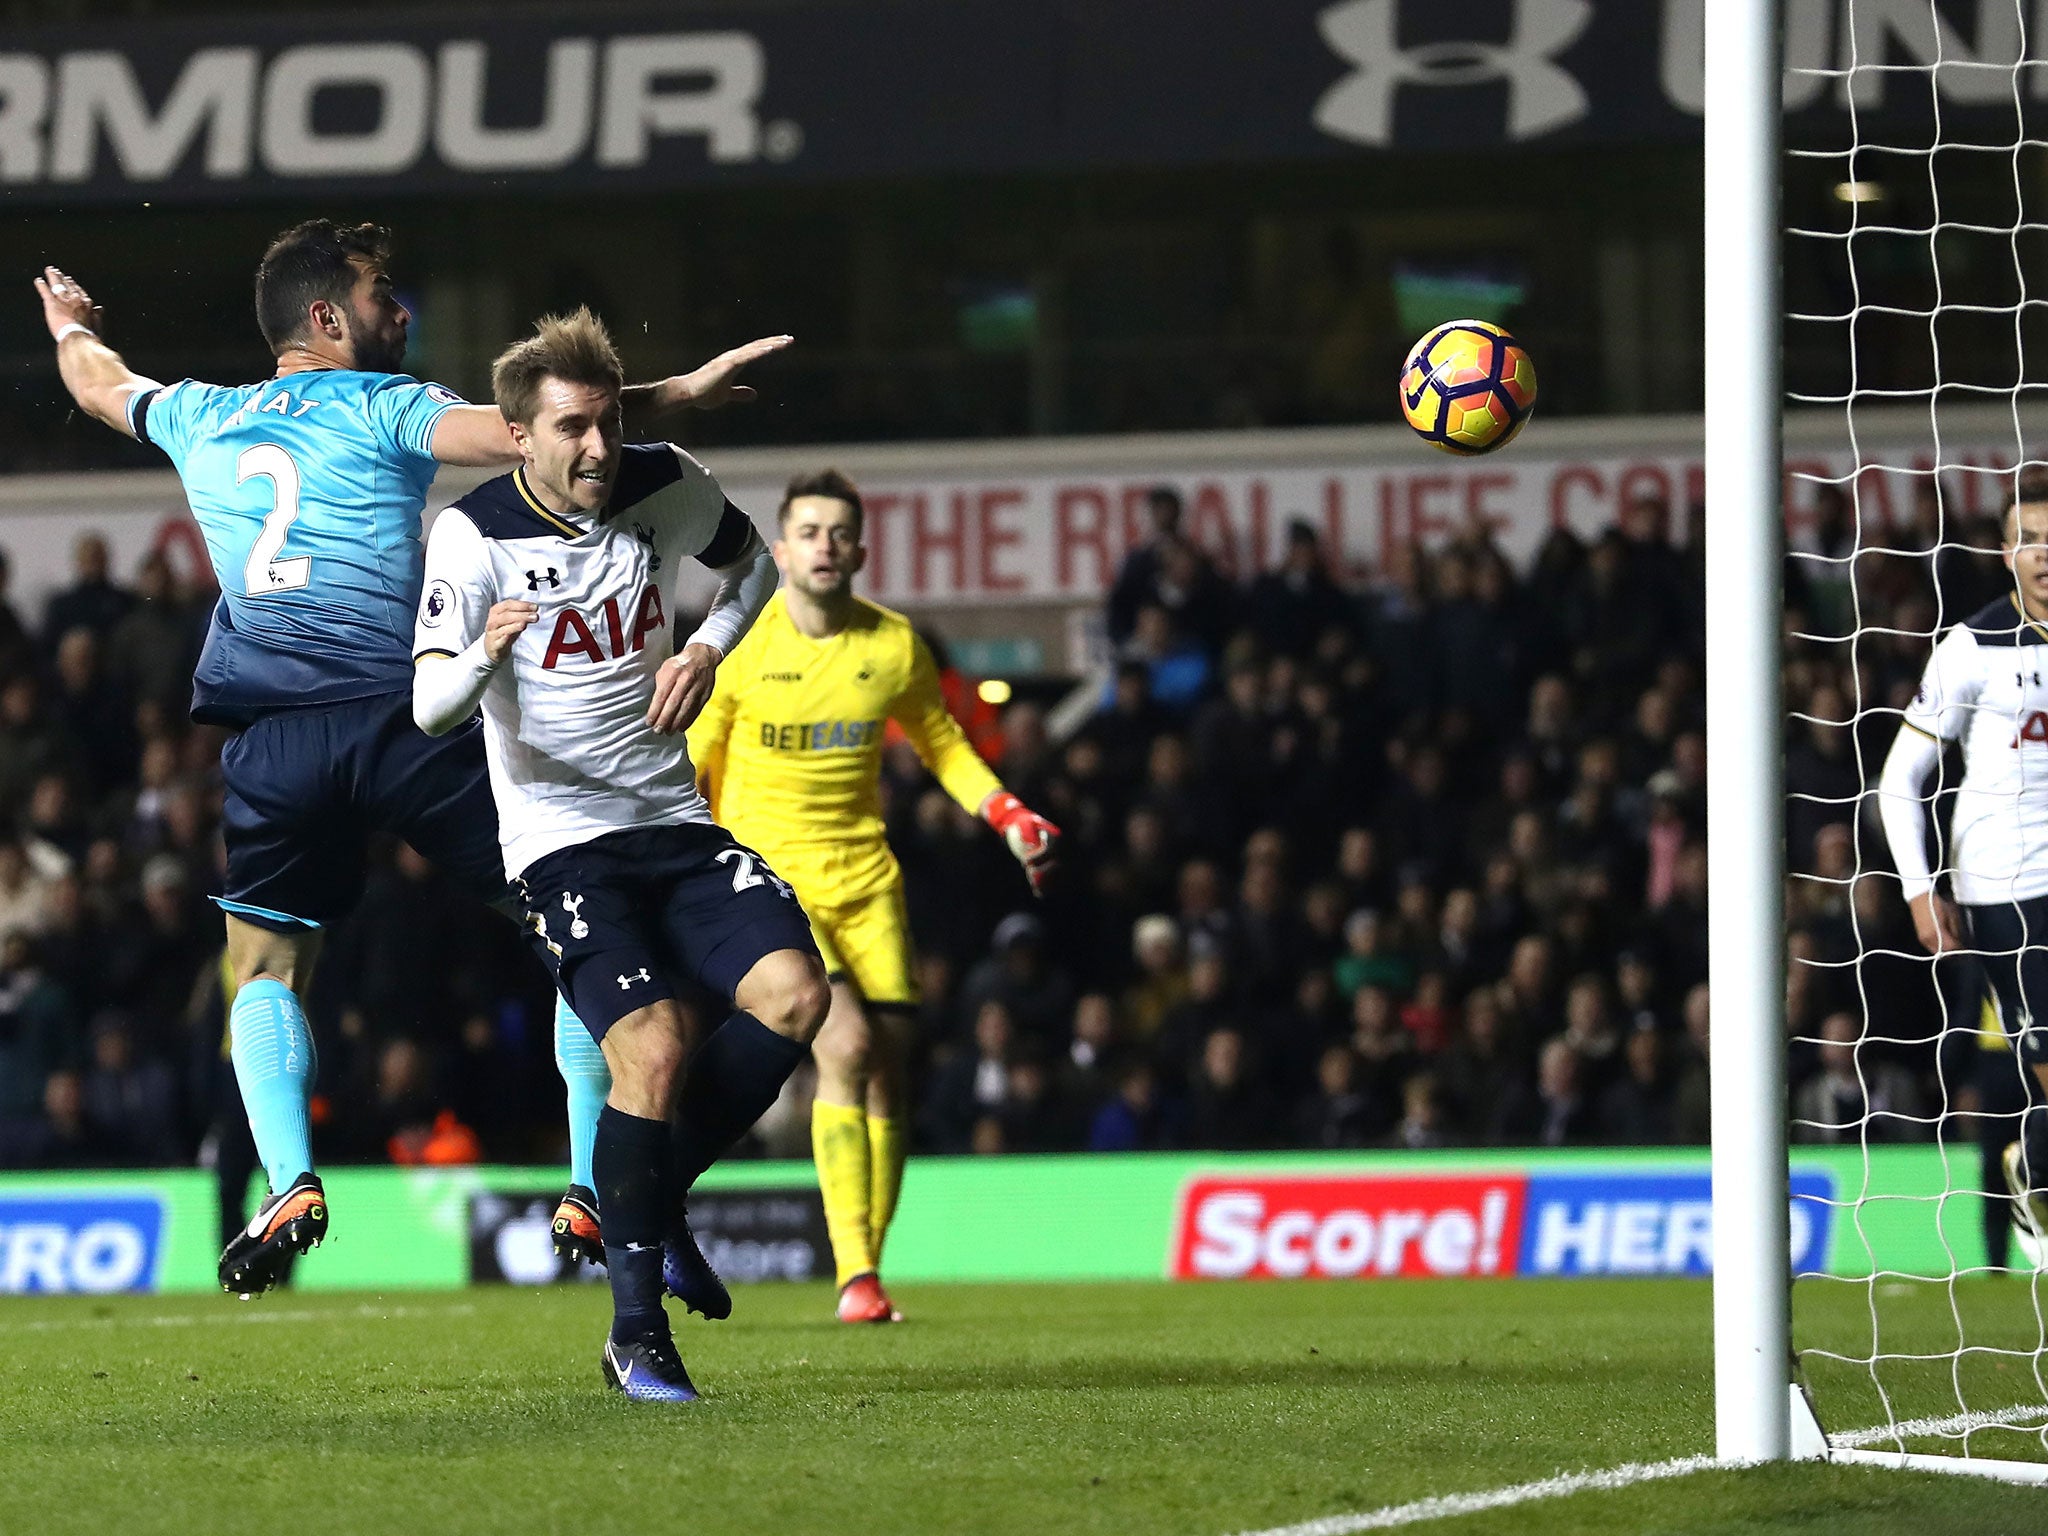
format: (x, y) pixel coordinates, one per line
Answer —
(577, 635)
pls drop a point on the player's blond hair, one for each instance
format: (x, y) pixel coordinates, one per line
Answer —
(575, 348)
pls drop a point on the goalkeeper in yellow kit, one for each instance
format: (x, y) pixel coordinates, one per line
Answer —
(789, 751)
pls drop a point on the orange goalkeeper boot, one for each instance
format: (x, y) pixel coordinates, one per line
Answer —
(862, 1300)
(578, 1235)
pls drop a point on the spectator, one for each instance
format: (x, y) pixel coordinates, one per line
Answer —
(31, 743)
(1561, 1113)
(1036, 995)
(91, 602)
(1205, 1009)
(17, 655)
(1228, 1110)
(1338, 1113)
(1421, 1125)
(1366, 961)
(1033, 1117)
(1636, 1110)
(1177, 669)
(60, 1136)
(1291, 606)
(1086, 1080)
(129, 1102)
(25, 891)
(1139, 578)
(974, 1084)
(1133, 1121)
(150, 651)
(1856, 1095)
(1162, 982)
(1691, 1119)
(1480, 1079)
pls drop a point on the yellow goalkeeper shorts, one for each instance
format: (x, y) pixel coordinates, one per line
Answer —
(866, 940)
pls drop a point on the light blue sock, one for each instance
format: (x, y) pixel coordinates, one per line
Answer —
(583, 1068)
(274, 1063)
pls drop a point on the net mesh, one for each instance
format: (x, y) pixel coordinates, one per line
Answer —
(1915, 186)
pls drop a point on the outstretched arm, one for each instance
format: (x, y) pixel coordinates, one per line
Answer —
(944, 748)
(476, 435)
(93, 371)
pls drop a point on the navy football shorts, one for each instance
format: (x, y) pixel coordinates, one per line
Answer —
(308, 788)
(2012, 940)
(622, 917)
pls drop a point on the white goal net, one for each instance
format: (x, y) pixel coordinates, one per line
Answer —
(1915, 200)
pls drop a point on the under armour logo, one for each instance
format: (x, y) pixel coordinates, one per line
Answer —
(1542, 94)
(573, 905)
(535, 578)
(640, 975)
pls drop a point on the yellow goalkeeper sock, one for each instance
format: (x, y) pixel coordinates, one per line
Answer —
(886, 1151)
(839, 1142)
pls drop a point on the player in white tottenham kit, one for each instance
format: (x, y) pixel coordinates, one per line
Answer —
(1987, 687)
(547, 602)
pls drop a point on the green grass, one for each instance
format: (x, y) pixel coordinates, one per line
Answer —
(1127, 1409)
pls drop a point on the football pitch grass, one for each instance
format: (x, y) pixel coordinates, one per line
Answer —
(1198, 1410)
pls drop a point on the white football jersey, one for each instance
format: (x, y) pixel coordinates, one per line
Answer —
(565, 716)
(1987, 686)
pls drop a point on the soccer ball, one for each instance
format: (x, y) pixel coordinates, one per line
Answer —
(1467, 387)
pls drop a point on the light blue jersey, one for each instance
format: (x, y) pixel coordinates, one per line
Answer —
(309, 490)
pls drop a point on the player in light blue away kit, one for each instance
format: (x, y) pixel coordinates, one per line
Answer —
(309, 488)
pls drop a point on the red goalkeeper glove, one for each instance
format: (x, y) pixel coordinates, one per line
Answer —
(1031, 837)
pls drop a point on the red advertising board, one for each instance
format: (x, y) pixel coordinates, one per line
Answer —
(1343, 1228)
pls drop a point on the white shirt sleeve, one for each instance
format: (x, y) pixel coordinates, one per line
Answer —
(744, 587)
(1902, 807)
(1939, 713)
(450, 669)
(1949, 688)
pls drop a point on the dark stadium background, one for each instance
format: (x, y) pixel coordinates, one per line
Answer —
(1401, 855)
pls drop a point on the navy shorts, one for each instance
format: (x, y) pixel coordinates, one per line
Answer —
(308, 788)
(622, 917)
(2012, 937)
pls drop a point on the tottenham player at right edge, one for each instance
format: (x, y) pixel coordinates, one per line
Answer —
(1987, 686)
(559, 569)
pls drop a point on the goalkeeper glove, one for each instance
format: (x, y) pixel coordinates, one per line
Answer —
(1030, 836)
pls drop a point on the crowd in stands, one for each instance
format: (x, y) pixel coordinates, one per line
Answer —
(1411, 859)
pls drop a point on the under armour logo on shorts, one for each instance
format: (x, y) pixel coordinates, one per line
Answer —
(535, 578)
(627, 981)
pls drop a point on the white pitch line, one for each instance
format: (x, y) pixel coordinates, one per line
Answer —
(235, 1318)
(1954, 1424)
(1446, 1506)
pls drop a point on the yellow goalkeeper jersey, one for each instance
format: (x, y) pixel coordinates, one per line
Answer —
(789, 750)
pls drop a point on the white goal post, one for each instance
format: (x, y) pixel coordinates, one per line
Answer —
(1761, 1412)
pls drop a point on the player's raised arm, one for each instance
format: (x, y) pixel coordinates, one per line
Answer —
(477, 435)
(101, 383)
(944, 748)
(747, 579)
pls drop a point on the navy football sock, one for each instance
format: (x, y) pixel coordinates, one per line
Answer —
(631, 1165)
(733, 1078)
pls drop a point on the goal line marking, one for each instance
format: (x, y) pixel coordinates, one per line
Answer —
(1446, 1506)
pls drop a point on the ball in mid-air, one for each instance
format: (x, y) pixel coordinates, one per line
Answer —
(1468, 386)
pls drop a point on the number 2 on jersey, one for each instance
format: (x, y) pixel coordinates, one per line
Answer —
(266, 573)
